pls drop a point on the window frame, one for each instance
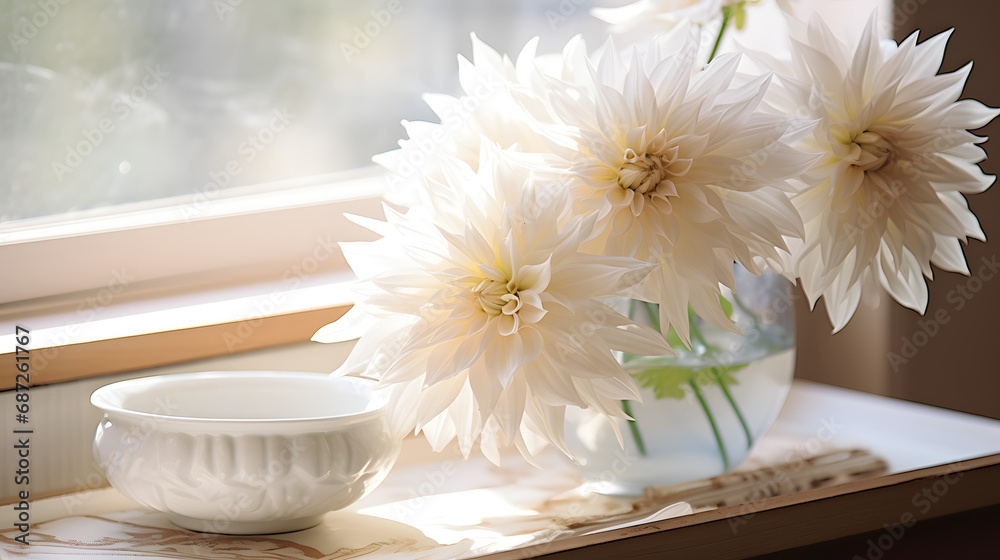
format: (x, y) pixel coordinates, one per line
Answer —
(108, 291)
(274, 225)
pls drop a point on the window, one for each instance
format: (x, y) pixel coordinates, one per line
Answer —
(172, 166)
(111, 102)
(141, 137)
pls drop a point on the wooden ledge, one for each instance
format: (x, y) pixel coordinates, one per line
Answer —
(784, 522)
(149, 333)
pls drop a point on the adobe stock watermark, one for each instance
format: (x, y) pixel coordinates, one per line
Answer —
(546, 197)
(137, 434)
(607, 479)
(433, 481)
(930, 326)
(418, 152)
(776, 309)
(248, 150)
(888, 191)
(122, 107)
(87, 311)
(292, 277)
(795, 461)
(578, 341)
(747, 173)
(27, 28)
(225, 7)
(279, 467)
(880, 203)
(563, 12)
(364, 34)
(904, 10)
(922, 502)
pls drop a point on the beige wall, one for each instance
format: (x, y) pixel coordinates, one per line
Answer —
(957, 368)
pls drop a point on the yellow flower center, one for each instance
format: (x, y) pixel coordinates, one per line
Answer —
(642, 173)
(651, 173)
(647, 179)
(514, 302)
(857, 146)
(875, 151)
(496, 298)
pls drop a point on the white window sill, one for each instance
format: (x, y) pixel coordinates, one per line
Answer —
(151, 285)
(247, 234)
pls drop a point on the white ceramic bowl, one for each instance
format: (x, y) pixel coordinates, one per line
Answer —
(243, 452)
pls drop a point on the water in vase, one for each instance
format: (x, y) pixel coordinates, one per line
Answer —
(702, 410)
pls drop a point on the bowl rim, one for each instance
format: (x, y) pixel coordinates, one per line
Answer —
(100, 398)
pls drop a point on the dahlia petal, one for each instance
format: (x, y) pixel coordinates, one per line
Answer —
(351, 325)
(883, 202)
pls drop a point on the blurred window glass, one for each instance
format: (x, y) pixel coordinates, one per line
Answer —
(106, 102)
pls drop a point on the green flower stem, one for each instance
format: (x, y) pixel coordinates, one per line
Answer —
(653, 311)
(726, 13)
(771, 346)
(747, 310)
(697, 336)
(634, 427)
(736, 409)
(753, 316)
(711, 420)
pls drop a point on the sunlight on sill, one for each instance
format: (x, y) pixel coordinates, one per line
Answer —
(155, 331)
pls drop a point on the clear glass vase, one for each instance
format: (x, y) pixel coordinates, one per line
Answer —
(702, 410)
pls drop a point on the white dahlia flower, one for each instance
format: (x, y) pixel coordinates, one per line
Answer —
(886, 198)
(487, 325)
(485, 109)
(680, 168)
